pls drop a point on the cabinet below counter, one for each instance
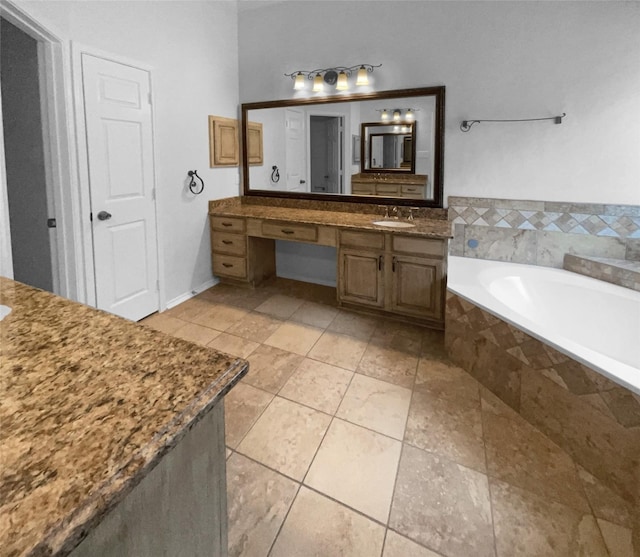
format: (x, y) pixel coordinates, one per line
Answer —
(398, 272)
(102, 427)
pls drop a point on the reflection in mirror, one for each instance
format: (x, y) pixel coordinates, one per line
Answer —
(314, 144)
(388, 147)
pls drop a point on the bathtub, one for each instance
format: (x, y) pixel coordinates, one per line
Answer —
(593, 322)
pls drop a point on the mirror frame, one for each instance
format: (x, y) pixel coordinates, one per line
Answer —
(368, 146)
(438, 151)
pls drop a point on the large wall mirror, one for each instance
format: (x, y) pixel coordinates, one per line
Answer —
(384, 147)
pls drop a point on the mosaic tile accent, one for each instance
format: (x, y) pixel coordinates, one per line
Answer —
(541, 232)
(592, 418)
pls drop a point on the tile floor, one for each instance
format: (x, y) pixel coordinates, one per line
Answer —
(355, 436)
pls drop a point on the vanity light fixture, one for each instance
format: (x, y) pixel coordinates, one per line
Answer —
(384, 114)
(409, 114)
(396, 115)
(337, 76)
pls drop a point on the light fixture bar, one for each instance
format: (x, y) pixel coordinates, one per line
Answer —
(337, 76)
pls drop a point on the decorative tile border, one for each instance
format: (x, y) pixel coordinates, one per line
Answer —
(616, 221)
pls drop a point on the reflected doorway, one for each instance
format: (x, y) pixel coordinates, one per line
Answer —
(326, 138)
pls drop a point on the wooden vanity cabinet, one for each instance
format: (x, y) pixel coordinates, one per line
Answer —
(403, 275)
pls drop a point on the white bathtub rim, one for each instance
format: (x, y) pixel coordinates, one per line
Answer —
(621, 373)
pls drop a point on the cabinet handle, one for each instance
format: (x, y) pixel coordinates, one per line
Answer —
(227, 224)
(227, 265)
(393, 264)
(285, 231)
(380, 262)
(227, 242)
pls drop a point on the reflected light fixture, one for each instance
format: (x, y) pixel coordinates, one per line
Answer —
(338, 76)
(396, 115)
(409, 115)
(384, 115)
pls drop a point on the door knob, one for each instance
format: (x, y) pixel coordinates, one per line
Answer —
(103, 215)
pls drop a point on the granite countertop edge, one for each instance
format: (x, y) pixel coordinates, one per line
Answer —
(431, 228)
(66, 535)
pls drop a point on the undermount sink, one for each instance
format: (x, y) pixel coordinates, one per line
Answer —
(4, 311)
(394, 223)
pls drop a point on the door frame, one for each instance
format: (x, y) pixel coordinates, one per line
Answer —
(77, 51)
(57, 156)
(346, 123)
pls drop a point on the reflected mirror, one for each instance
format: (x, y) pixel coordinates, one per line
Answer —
(370, 147)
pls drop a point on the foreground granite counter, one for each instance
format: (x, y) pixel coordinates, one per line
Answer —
(89, 405)
(431, 223)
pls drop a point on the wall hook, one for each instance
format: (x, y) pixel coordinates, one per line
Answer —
(466, 125)
(193, 185)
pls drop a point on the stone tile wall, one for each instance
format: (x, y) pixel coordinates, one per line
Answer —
(541, 232)
(595, 420)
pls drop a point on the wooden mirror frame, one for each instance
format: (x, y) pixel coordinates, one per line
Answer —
(438, 159)
(368, 146)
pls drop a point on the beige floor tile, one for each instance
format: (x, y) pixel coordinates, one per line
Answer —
(616, 538)
(280, 306)
(238, 296)
(442, 505)
(286, 437)
(258, 500)
(294, 337)
(376, 405)
(527, 525)
(318, 385)
(357, 467)
(219, 316)
(354, 324)
(402, 337)
(338, 350)
(270, 367)
(388, 364)
(433, 345)
(236, 346)
(605, 503)
(396, 545)
(242, 407)
(255, 326)
(316, 315)
(319, 527)
(163, 323)
(189, 309)
(519, 454)
(445, 414)
(196, 333)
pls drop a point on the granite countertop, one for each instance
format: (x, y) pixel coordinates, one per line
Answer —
(89, 404)
(433, 228)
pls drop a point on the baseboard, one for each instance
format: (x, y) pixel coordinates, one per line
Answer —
(188, 295)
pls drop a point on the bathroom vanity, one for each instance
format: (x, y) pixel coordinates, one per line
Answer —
(396, 271)
(112, 434)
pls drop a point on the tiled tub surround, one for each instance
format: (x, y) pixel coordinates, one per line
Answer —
(622, 272)
(541, 232)
(595, 420)
(91, 403)
(358, 436)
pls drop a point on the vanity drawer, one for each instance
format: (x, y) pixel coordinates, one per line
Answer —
(228, 224)
(418, 246)
(358, 188)
(229, 266)
(286, 231)
(369, 240)
(231, 244)
(414, 192)
(388, 189)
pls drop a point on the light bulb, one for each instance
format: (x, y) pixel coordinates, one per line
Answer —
(318, 85)
(299, 82)
(396, 115)
(384, 115)
(342, 84)
(409, 116)
(362, 77)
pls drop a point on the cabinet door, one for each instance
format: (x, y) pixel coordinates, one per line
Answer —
(360, 279)
(416, 286)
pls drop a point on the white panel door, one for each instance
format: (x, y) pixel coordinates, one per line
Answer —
(121, 175)
(295, 150)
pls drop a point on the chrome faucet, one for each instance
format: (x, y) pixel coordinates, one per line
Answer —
(396, 212)
(386, 211)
